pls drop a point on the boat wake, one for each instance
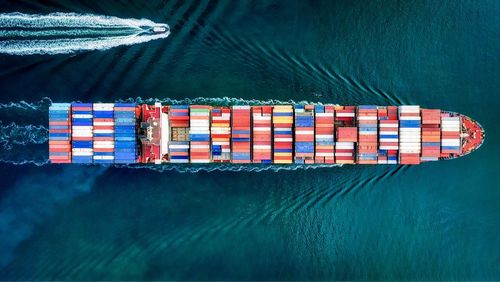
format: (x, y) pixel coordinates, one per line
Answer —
(13, 134)
(65, 33)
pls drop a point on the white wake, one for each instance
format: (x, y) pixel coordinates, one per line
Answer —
(64, 33)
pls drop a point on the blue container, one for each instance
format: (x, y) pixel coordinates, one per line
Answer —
(82, 123)
(388, 136)
(241, 156)
(431, 144)
(58, 115)
(282, 150)
(179, 107)
(59, 105)
(58, 127)
(103, 153)
(409, 123)
(82, 112)
(367, 107)
(319, 108)
(124, 155)
(125, 105)
(82, 144)
(283, 114)
(99, 114)
(178, 150)
(124, 134)
(179, 157)
(81, 159)
(241, 139)
(51, 135)
(103, 134)
(284, 132)
(125, 138)
(119, 152)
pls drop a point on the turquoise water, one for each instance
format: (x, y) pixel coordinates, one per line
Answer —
(436, 221)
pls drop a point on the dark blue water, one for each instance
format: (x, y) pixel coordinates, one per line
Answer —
(436, 221)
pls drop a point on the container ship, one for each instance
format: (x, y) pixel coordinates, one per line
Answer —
(128, 133)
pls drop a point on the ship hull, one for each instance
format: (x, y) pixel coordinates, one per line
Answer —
(128, 133)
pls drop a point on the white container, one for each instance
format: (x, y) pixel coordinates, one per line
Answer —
(344, 145)
(324, 114)
(283, 139)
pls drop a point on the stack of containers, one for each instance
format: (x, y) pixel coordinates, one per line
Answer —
(393, 154)
(178, 147)
(59, 133)
(347, 134)
(431, 135)
(409, 135)
(304, 134)
(283, 138)
(388, 140)
(199, 133)
(81, 133)
(324, 120)
(221, 134)
(261, 120)
(240, 134)
(367, 130)
(450, 135)
(125, 136)
(381, 115)
(104, 141)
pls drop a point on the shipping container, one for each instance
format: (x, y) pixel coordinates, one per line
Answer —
(125, 133)
(261, 128)
(240, 134)
(346, 134)
(82, 133)
(304, 134)
(221, 134)
(409, 135)
(282, 134)
(367, 117)
(450, 134)
(178, 147)
(199, 133)
(60, 133)
(104, 133)
(324, 134)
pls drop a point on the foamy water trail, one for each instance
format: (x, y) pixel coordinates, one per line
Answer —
(13, 134)
(63, 33)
